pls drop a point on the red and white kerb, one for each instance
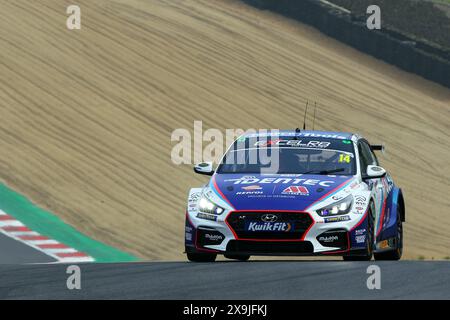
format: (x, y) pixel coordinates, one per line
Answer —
(16, 230)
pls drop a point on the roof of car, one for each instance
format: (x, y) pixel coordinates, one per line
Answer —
(302, 133)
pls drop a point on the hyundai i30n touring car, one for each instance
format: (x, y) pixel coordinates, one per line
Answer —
(296, 193)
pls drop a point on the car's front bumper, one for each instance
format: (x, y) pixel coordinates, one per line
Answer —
(310, 236)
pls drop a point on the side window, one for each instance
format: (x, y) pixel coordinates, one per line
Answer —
(369, 154)
(374, 156)
(363, 161)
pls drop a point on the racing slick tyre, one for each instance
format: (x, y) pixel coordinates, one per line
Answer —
(367, 256)
(240, 257)
(397, 253)
(201, 257)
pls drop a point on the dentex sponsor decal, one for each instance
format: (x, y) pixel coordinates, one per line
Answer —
(269, 226)
(250, 180)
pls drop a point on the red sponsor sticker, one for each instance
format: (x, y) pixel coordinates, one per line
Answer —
(296, 190)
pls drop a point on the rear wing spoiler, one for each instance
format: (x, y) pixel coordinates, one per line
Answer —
(378, 147)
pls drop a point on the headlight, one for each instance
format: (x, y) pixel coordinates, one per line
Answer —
(206, 206)
(340, 207)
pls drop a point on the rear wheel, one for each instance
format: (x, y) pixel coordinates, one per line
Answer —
(240, 257)
(397, 253)
(367, 256)
(201, 257)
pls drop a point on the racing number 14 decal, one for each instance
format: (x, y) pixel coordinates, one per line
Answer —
(344, 158)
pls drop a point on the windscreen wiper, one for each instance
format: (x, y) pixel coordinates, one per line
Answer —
(325, 171)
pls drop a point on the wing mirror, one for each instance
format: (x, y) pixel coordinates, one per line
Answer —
(205, 168)
(374, 172)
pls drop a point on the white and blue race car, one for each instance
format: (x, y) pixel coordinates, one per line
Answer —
(296, 192)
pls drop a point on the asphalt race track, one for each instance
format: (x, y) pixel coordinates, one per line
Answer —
(229, 280)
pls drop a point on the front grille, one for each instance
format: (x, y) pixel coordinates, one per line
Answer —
(300, 223)
(270, 247)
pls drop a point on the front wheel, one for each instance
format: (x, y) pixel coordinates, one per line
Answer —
(201, 257)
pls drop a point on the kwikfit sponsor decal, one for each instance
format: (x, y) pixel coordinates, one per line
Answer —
(269, 226)
(292, 181)
(296, 190)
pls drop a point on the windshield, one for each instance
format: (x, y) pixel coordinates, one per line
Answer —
(290, 156)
